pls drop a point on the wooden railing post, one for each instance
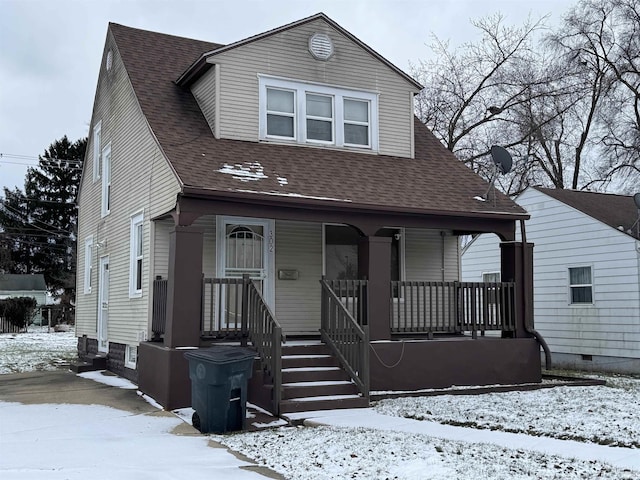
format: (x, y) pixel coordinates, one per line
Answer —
(244, 325)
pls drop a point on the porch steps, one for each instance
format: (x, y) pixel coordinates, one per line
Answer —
(313, 380)
(91, 363)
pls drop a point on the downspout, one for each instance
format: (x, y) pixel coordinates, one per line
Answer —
(527, 326)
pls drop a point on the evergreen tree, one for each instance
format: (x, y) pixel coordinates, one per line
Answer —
(41, 224)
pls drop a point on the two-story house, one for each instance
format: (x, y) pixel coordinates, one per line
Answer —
(281, 188)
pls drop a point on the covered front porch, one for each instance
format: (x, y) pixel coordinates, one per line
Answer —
(388, 329)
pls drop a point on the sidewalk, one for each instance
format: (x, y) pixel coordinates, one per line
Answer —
(56, 425)
(368, 418)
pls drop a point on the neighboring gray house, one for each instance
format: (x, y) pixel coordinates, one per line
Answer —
(24, 285)
(586, 271)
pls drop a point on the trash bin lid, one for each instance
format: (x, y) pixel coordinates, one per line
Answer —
(221, 354)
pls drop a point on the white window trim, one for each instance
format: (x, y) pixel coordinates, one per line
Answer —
(128, 362)
(338, 94)
(88, 263)
(137, 219)
(282, 114)
(106, 181)
(570, 285)
(97, 151)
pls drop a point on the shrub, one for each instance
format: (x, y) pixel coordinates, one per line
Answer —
(18, 311)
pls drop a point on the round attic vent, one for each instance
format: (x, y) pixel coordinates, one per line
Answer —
(109, 60)
(321, 46)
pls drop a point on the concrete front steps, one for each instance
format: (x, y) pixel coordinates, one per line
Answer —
(91, 363)
(313, 380)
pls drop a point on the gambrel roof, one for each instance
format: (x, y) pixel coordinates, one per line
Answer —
(434, 182)
(613, 210)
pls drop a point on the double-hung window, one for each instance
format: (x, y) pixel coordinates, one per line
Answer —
(319, 118)
(97, 151)
(136, 255)
(106, 180)
(317, 114)
(88, 256)
(580, 285)
(281, 113)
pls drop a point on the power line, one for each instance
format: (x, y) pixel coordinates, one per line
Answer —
(17, 156)
(15, 212)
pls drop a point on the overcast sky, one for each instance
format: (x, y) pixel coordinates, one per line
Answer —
(50, 50)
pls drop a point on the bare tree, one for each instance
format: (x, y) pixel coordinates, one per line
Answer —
(565, 103)
(470, 91)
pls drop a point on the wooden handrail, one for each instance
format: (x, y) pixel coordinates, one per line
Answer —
(348, 340)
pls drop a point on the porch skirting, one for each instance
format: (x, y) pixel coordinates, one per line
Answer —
(163, 374)
(421, 364)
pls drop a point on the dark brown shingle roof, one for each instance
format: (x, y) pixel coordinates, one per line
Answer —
(434, 182)
(613, 210)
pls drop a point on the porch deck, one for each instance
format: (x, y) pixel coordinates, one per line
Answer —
(427, 322)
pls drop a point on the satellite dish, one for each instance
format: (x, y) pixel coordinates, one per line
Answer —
(503, 162)
(636, 198)
(503, 159)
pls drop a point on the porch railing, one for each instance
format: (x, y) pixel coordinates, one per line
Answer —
(341, 332)
(452, 307)
(266, 336)
(353, 295)
(222, 308)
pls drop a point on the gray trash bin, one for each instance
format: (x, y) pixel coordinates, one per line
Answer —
(219, 377)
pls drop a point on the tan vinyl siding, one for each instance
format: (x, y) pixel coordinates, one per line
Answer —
(204, 91)
(286, 55)
(141, 180)
(299, 247)
(423, 256)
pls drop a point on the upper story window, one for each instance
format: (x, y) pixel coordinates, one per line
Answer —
(317, 114)
(106, 180)
(97, 150)
(580, 285)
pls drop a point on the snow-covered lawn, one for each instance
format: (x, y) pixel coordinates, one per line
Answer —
(608, 415)
(36, 350)
(324, 453)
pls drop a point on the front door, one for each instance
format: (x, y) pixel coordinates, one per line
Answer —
(246, 246)
(103, 305)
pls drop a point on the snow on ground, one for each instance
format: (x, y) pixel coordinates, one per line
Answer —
(96, 435)
(76, 442)
(608, 415)
(36, 350)
(328, 453)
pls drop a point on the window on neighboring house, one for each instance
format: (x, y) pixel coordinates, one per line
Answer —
(106, 180)
(97, 150)
(137, 256)
(491, 277)
(311, 113)
(88, 256)
(580, 285)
